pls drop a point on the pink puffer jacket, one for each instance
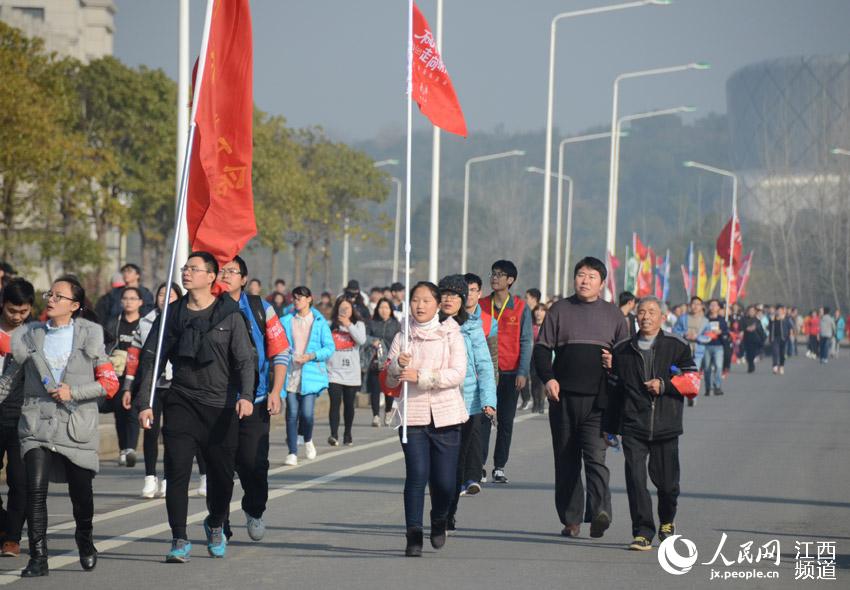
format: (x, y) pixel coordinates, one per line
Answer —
(439, 354)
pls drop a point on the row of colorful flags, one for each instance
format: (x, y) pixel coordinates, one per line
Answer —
(648, 273)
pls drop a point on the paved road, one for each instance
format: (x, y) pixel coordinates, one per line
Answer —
(768, 460)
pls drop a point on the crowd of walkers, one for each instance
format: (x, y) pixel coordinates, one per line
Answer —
(468, 357)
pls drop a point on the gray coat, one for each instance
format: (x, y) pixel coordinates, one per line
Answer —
(67, 428)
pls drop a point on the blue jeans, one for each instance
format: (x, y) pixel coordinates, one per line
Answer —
(299, 408)
(712, 364)
(430, 458)
(825, 345)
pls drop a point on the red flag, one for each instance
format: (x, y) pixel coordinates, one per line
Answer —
(744, 276)
(432, 87)
(640, 249)
(686, 278)
(220, 207)
(613, 265)
(723, 239)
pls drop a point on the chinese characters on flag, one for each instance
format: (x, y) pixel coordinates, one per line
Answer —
(432, 88)
(220, 207)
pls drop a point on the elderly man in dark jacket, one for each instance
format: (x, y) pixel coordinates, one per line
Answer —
(645, 407)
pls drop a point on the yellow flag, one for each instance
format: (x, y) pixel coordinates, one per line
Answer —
(702, 278)
(716, 269)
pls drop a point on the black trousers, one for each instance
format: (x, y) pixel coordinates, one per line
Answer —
(126, 424)
(663, 471)
(342, 394)
(150, 439)
(506, 399)
(777, 348)
(469, 458)
(751, 351)
(252, 459)
(38, 464)
(576, 425)
(190, 426)
(12, 516)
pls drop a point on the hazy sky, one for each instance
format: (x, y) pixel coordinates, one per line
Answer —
(341, 63)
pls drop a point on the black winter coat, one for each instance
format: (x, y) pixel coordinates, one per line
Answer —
(632, 409)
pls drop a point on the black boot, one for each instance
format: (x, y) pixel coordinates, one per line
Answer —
(438, 533)
(85, 545)
(414, 542)
(37, 565)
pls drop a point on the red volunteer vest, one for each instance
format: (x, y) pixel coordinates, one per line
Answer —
(510, 327)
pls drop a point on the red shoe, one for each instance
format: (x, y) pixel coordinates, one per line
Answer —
(10, 549)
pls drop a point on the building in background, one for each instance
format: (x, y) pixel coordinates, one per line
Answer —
(82, 29)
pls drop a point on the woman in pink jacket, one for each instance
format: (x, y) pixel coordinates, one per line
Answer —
(434, 367)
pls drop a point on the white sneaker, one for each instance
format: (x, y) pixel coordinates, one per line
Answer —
(162, 488)
(376, 421)
(310, 450)
(291, 460)
(122, 458)
(388, 418)
(151, 485)
(202, 488)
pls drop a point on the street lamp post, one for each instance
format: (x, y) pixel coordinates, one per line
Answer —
(547, 187)
(560, 177)
(734, 177)
(558, 214)
(465, 231)
(610, 243)
(397, 182)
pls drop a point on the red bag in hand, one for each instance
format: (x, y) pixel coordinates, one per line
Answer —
(688, 384)
(386, 389)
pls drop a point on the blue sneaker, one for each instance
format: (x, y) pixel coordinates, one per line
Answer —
(179, 553)
(216, 540)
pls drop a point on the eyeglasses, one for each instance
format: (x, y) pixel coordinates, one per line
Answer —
(51, 296)
(449, 295)
(192, 269)
(497, 274)
(229, 271)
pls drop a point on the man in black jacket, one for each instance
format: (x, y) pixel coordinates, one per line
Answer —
(645, 407)
(214, 367)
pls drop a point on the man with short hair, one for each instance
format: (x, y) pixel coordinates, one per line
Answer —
(713, 358)
(16, 304)
(647, 373)
(628, 303)
(578, 331)
(214, 367)
(255, 287)
(252, 457)
(514, 359)
(397, 291)
(109, 306)
(280, 287)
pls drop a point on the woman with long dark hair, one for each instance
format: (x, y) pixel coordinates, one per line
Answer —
(65, 371)
(381, 332)
(349, 334)
(433, 365)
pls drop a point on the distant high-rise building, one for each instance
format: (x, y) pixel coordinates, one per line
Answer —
(83, 29)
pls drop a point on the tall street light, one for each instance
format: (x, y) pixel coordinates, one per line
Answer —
(561, 178)
(397, 182)
(734, 177)
(547, 187)
(465, 233)
(577, 139)
(610, 243)
(840, 152)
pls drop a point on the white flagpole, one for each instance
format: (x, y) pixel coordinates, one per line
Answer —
(182, 197)
(405, 323)
(434, 235)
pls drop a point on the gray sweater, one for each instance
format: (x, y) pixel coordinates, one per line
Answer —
(344, 364)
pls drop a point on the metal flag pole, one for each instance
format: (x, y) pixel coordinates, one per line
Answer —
(182, 197)
(405, 323)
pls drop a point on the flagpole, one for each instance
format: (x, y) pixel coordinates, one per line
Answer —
(732, 241)
(434, 244)
(182, 237)
(405, 310)
(181, 200)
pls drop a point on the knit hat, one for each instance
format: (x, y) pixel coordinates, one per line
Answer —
(455, 284)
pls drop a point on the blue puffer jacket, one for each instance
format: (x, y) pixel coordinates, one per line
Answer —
(314, 374)
(479, 385)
